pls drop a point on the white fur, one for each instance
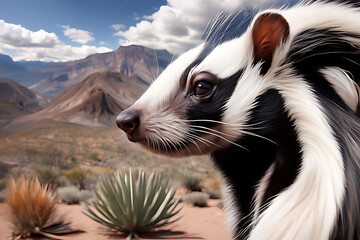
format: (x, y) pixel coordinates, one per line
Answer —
(235, 49)
(309, 207)
(260, 191)
(233, 214)
(344, 86)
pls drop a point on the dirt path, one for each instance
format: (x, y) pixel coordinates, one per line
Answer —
(197, 223)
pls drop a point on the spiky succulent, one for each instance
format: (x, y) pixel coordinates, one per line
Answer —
(33, 210)
(130, 203)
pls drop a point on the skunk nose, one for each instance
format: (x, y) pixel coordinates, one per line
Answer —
(128, 121)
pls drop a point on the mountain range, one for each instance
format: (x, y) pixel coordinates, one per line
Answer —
(49, 79)
(93, 90)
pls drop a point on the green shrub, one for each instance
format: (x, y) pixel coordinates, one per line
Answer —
(198, 199)
(191, 180)
(48, 175)
(72, 195)
(133, 205)
(77, 176)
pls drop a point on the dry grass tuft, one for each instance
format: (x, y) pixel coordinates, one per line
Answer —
(33, 210)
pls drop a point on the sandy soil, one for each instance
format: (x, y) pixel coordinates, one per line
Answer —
(197, 223)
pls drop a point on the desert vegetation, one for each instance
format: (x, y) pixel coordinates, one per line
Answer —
(130, 203)
(71, 161)
(198, 199)
(33, 210)
(192, 181)
(73, 195)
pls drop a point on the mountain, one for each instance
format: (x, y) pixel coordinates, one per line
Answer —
(9, 66)
(24, 72)
(92, 102)
(16, 100)
(14, 93)
(138, 62)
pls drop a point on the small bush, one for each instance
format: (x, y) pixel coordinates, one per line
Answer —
(214, 194)
(192, 181)
(3, 183)
(92, 155)
(33, 210)
(77, 176)
(90, 182)
(198, 199)
(213, 186)
(133, 205)
(48, 175)
(72, 195)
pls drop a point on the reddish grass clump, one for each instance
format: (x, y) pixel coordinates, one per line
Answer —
(33, 210)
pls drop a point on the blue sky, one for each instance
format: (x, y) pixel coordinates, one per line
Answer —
(93, 16)
(64, 30)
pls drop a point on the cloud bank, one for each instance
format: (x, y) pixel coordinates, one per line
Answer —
(44, 46)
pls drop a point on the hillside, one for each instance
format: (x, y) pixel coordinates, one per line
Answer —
(16, 100)
(92, 102)
(14, 93)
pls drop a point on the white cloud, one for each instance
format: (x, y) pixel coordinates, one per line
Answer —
(40, 45)
(180, 24)
(17, 36)
(59, 53)
(118, 27)
(77, 35)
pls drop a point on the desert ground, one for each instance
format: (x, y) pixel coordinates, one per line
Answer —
(207, 223)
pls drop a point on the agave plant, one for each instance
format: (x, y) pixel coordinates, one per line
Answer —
(33, 210)
(130, 203)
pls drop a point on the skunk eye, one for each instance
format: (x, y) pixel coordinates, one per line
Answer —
(204, 84)
(203, 88)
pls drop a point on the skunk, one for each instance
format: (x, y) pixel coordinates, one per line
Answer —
(277, 109)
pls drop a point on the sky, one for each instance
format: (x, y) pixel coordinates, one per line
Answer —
(65, 30)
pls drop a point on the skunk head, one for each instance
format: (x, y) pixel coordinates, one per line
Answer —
(203, 100)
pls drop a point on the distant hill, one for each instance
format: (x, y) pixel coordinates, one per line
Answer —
(9, 66)
(140, 63)
(14, 93)
(16, 100)
(92, 102)
(24, 72)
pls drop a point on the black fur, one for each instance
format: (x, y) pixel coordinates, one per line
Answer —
(214, 108)
(330, 49)
(243, 174)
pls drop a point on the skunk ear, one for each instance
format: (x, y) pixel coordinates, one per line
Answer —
(268, 31)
